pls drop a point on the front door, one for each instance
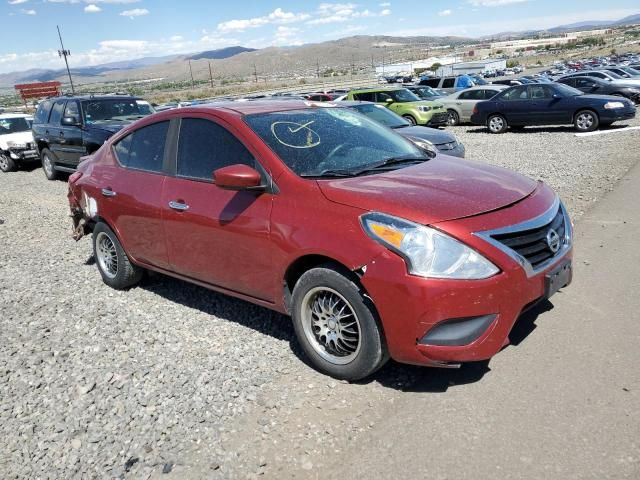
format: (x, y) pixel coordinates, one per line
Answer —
(217, 236)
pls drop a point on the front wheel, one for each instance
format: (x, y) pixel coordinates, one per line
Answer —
(497, 124)
(410, 119)
(49, 165)
(336, 325)
(114, 266)
(7, 164)
(586, 121)
(454, 118)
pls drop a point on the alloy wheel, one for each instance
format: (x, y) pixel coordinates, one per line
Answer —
(107, 255)
(331, 325)
(585, 121)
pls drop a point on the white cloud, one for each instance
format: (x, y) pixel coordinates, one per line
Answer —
(136, 12)
(28, 12)
(444, 13)
(114, 2)
(385, 4)
(342, 12)
(17, 2)
(385, 12)
(176, 38)
(278, 16)
(494, 3)
(91, 8)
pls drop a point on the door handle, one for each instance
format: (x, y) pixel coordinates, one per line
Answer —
(179, 206)
(107, 192)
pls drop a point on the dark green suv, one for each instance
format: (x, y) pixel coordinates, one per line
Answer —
(404, 103)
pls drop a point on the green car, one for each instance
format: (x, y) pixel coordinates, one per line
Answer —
(404, 103)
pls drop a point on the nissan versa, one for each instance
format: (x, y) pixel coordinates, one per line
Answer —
(375, 247)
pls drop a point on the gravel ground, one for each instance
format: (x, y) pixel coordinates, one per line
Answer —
(172, 380)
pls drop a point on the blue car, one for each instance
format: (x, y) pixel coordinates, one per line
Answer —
(550, 104)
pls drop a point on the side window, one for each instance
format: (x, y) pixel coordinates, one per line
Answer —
(448, 83)
(144, 148)
(516, 93)
(56, 113)
(365, 97)
(431, 82)
(42, 115)
(489, 94)
(572, 82)
(468, 95)
(539, 91)
(584, 83)
(205, 146)
(382, 97)
(72, 110)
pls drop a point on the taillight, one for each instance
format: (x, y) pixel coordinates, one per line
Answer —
(475, 109)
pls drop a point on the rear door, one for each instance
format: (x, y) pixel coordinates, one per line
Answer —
(515, 106)
(53, 131)
(130, 193)
(217, 236)
(70, 147)
(466, 101)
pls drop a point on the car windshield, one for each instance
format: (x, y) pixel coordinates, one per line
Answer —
(14, 125)
(402, 95)
(381, 115)
(566, 90)
(100, 111)
(630, 71)
(611, 74)
(331, 142)
(425, 92)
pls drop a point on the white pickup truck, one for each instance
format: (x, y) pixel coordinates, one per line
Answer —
(16, 141)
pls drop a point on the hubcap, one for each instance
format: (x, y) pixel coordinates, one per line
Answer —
(46, 162)
(585, 121)
(4, 163)
(496, 124)
(107, 255)
(331, 325)
(453, 118)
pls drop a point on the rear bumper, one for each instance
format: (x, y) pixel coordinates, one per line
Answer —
(437, 322)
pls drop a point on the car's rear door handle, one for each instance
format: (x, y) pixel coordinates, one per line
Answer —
(179, 206)
(107, 192)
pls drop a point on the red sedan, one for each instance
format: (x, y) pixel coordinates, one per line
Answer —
(375, 247)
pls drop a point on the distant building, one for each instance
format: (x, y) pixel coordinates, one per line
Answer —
(410, 67)
(479, 66)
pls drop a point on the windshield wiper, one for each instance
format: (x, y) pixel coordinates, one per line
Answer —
(389, 162)
(329, 173)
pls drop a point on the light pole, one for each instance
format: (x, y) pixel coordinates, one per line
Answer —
(65, 53)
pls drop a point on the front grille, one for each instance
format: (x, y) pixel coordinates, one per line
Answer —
(442, 117)
(532, 244)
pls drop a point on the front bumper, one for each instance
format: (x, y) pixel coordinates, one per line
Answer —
(455, 149)
(618, 114)
(411, 307)
(23, 154)
(438, 119)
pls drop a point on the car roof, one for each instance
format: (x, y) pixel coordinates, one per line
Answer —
(497, 86)
(94, 97)
(256, 106)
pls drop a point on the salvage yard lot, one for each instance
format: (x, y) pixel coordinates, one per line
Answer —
(170, 376)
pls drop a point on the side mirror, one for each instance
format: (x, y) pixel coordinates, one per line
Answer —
(70, 121)
(556, 96)
(594, 87)
(238, 177)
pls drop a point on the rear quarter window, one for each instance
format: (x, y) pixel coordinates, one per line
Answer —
(448, 83)
(42, 114)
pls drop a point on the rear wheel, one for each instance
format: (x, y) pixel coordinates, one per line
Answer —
(7, 164)
(497, 124)
(49, 165)
(411, 119)
(586, 121)
(337, 325)
(114, 266)
(454, 118)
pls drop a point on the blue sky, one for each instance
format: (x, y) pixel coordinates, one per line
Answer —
(99, 31)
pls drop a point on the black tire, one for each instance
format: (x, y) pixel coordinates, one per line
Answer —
(7, 164)
(496, 123)
(454, 118)
(410, 118)
(125, 274)
(586, 121)
(371, 352)
(48, 160)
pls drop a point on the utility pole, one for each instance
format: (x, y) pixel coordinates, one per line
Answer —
(255, 72)
(317, 68)
(210, 75)
(65, 53)
(191, 73)
(351, 68)
(384, 49)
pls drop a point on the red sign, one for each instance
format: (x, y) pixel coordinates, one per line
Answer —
(39, 90)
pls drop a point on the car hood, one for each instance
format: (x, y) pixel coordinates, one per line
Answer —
(18, 137)
(604, 98)
(432, 135)
(111, 127)
(444, 188)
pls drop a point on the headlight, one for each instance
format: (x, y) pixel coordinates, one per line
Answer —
(428, 252)
(424, 108)
(12, 144)
(612, 105)
(423, 144)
